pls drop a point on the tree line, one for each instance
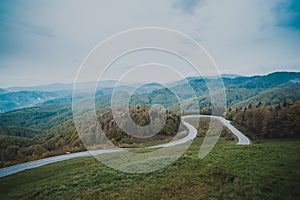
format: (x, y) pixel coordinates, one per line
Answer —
(275, 121)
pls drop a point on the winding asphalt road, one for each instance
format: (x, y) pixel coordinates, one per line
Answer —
(241, 137)
(192, 134)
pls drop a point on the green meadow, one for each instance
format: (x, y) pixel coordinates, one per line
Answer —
(266, 170)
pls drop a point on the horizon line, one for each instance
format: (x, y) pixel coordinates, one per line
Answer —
(125, 83)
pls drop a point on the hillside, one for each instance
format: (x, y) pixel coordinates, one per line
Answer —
(39, 118)
(2, 91)
(269, 89)
(15, 100)
(266, 122)
(287, 92)
(63, 137)
(266, 170)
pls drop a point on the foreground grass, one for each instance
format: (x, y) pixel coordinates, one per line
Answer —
(267, 170)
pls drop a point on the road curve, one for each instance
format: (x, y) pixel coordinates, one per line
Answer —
(192, 134)
(241, 137)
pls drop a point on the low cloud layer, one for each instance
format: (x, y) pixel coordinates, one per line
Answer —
(45, 41)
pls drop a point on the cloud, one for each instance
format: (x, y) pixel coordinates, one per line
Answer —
(288, 14)
(37, 29)
(53, 37)
(188, 6)
(20, 35)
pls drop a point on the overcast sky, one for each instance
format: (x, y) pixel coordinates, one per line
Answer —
(46, 41)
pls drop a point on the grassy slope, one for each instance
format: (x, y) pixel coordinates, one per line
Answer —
(260, 171)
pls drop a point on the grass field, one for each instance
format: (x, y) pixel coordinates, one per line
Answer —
(269, 170)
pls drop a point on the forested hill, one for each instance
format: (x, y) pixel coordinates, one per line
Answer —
(15, 100)
(264, 122)
(272, 88)
(263, 82)
(63, 137)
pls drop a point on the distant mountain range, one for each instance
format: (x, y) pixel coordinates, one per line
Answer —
(84, 85)
(239, 89)
(3, 91)
(63, 86)
(14, 100)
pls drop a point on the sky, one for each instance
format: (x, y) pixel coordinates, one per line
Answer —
(44, 42)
